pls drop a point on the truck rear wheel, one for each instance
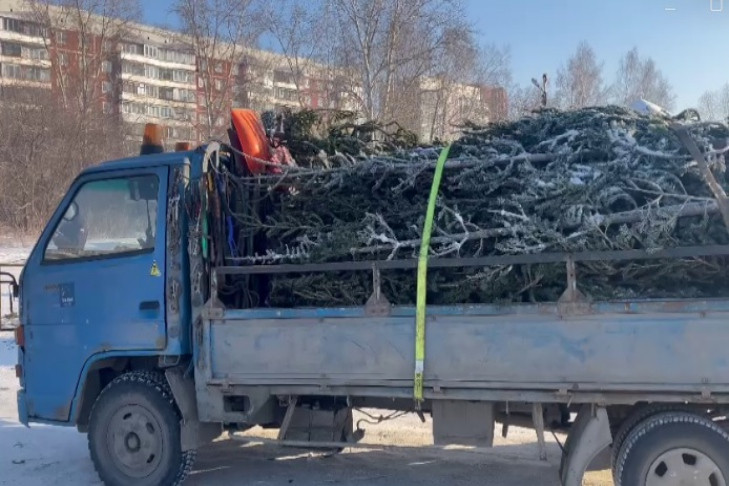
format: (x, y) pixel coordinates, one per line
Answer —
(674, 448)
(637, 416)
(134, 433)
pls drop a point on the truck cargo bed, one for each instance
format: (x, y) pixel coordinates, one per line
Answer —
(676, 346)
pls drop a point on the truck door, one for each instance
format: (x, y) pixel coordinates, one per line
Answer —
(94, 284)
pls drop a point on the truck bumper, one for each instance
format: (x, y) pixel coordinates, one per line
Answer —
(22, 408)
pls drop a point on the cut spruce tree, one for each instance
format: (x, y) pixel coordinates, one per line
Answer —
(593, 179)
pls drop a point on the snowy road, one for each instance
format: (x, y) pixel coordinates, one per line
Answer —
(43, 455)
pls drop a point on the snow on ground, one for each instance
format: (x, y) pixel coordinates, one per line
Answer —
(47, 455)
(41, 455)
(13, 255)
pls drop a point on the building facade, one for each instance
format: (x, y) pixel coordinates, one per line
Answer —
(147, 74)
(24, 56)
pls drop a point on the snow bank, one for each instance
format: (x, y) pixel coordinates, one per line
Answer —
(40, 455)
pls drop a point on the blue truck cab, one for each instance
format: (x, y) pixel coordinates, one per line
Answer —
(106, 290)
(73, 319)
(123, 336)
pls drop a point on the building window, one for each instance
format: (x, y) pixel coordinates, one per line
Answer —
(62, 59)
(12, 71)
(151, 51)
(12, 25)
(133, 68)
(283, 77)
(106, 87)
(39, 53)
(61, 38)
(218, 84)
(151, 71)
(12, 50)
(107, 108)
(21, 27)
(132, 48)
(286, 94)
(166, 74)
(219, 68)
(106, 66)
(27, 73)
(176, 56)
(180, 76)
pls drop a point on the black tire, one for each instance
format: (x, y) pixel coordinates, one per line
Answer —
(639, 415)
(666, 433)
(134, 433)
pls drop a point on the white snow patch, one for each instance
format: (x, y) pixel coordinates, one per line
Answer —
(576, 181)
(40, 455)
(13, 255)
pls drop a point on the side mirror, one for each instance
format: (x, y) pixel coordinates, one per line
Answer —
(16, 290)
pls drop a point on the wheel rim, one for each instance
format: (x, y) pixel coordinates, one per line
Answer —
(134, 440)
(679, 467)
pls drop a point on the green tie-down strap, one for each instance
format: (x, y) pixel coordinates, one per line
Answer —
(420, 302)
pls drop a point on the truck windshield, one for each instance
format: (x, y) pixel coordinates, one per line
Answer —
(106, 218)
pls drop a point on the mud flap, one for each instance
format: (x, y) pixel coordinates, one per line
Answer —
(589, 436)
(193, 433)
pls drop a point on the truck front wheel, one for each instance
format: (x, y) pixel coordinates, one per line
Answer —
(674, 448)
(134, 433)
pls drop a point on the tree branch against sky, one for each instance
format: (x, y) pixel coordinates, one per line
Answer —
(291, 23)
(219, 31)
(714, 105)
(579, 82)
(98, 24)
(639, 77)
(389, 43)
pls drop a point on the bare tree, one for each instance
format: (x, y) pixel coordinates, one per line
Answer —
(77, 64)
(296, 28)
(580, 82)
(81, 38)
(493, 66)
(455, 89)
(390, 44)
(219, 31)
(523, 100)
(41, 150)
(714, 105)
(638, 78)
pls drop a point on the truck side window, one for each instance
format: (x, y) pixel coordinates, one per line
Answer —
(108, 217)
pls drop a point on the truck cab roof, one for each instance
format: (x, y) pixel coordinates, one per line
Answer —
(141, 161)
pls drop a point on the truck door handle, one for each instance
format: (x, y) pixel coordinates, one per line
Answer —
(149, 305)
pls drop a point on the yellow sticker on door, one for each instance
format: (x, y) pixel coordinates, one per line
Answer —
(154, 271)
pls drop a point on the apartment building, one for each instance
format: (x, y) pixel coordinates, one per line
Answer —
(443, 107)
(156, 81)
(153, 75)
(24, 57)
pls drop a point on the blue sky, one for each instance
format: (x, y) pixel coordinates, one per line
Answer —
(687, 40)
